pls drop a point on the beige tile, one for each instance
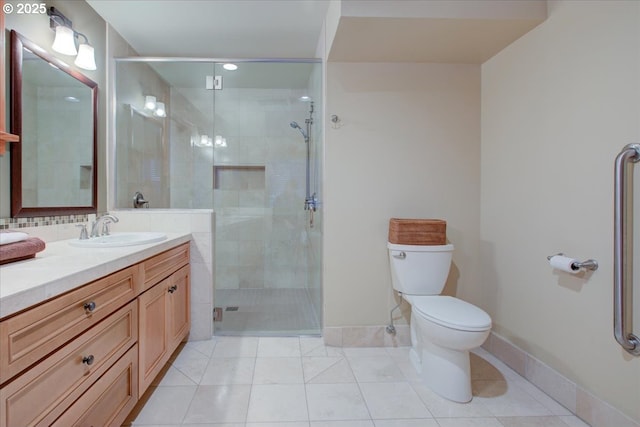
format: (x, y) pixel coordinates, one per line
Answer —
(407, 423)
(219, 404)
(515, 358)
(375, 369)
(573, 421)
(336, 402)
(441, 407)
(279, 347)
(293, 424)
(224, 370)
(327, 370)
(278, 370)
(170, 376)
(469, 422)
(598, 413)
(553, 384)
(393, 400)
(359, 423)
(531, 422)
(332, 336)
(166, 405)
(363, 336)
(236, 347)
(312, 346)
(482, 369)
(191, 363)
(277, 403)
(205, 346)
(505, 400)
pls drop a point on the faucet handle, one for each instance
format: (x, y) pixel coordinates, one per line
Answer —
(105, 227)
(83, 231)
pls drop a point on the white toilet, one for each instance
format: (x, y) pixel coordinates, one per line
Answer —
(443, 328)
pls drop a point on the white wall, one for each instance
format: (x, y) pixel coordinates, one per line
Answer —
(557, 106)
(407, 145)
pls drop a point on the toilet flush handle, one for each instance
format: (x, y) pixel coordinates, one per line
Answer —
(399, 255)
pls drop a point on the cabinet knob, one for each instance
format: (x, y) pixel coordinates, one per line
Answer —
(89, 306)
(173, 288)
(88, 360)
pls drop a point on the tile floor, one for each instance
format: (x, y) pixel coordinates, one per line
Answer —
(272, 312)
(300, 382)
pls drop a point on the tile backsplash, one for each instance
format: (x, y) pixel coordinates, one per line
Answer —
(6, 223)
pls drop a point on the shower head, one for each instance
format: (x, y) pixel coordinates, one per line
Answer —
(295, 125)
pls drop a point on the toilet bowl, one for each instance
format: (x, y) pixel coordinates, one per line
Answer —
(443, 328)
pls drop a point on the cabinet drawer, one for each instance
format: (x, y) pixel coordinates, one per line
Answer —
(43, 393)
(162, 265)
(31, 335)
(108, 402)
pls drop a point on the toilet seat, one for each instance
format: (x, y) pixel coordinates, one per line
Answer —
(451, 313)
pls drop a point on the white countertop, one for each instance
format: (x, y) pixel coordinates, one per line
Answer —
(62, 267)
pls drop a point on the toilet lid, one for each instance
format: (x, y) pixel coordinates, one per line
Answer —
(452, 313)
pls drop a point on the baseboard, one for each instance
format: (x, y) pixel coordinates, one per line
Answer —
(593, 410)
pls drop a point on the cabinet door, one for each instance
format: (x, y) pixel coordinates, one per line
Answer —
(179, 307)
(153, 334)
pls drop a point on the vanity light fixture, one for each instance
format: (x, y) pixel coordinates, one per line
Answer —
(86, 58)
(154, 106)
(160, 110)
(65, 40)
(220, 141)
(150, 102)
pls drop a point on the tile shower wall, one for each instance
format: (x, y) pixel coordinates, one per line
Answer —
(259, 189)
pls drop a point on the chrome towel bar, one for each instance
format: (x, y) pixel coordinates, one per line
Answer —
(622, 241)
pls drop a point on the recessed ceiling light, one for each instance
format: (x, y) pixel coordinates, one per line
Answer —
(305, 98)
(71, 99)
(230, 67)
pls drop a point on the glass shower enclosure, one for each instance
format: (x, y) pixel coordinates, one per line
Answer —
(191, 134)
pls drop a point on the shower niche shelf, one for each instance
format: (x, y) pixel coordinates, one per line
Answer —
(238, 177)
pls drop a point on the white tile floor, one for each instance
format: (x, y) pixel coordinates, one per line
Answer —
(299, 382)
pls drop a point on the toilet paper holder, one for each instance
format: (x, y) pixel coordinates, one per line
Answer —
(590, 264)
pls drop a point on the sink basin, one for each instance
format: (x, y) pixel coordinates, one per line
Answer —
(116, 240)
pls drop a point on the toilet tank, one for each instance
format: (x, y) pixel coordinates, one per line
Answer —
(419, 270)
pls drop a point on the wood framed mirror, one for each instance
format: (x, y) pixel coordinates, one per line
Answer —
(54, 111)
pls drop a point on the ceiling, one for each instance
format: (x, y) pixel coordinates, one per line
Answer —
(217, 28)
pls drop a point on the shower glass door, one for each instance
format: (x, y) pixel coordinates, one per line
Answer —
(228, 143)
(267, 246)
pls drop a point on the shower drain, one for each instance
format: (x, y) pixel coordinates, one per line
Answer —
(231, 309)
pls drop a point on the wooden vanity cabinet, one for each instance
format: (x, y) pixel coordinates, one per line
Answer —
(85, 357)
(164, 323)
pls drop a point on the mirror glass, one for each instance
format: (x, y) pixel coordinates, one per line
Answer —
(53, 168)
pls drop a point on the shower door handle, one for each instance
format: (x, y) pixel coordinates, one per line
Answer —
(623, 267)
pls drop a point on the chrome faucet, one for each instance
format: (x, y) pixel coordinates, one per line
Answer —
(105, 220)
